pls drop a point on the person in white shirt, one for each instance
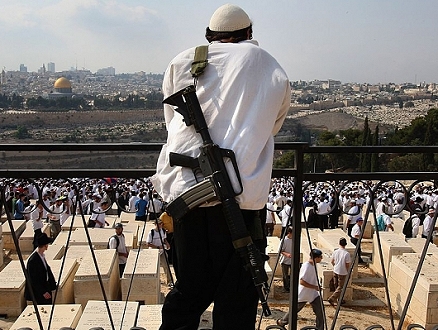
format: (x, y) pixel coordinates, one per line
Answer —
(132, 200)
(99, 215)
(388, 222)
(36, 216)
(286, 216)
(308, 290)
(341, 261)
(353, 214)
(244, 95)
(54, 216)
(355, 235)
(157, 239)
(155, 207)
(428, 224)
(270, 218)
(117, 242)
(286, 258)
(415, 225)
(382, 206)
(323, 212)
(280, 201)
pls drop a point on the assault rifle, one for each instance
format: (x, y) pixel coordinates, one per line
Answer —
(216, 185)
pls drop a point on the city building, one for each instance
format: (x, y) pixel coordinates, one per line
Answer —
(23, 68)
(3, 77)
(51, 67)
(110, 71)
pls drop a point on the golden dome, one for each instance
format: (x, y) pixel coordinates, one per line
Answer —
(62, 83)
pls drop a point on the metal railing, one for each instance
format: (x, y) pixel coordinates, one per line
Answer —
(295, 171)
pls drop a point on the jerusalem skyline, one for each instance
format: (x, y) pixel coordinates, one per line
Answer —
(373, 41)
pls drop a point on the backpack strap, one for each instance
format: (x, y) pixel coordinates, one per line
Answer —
(199, 62)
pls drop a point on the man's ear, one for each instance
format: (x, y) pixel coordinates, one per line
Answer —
(249, 33)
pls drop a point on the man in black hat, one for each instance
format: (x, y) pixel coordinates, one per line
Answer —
(41, 277)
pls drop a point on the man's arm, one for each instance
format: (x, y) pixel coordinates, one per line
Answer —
(308, 285)
(388, 223)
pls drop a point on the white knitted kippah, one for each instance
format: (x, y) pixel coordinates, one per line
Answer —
(229, 18)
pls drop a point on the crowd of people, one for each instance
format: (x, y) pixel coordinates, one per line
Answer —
(324, 205)
(329, 205)
(53, 202)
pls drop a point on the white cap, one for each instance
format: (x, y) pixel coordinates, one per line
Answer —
(229, 18)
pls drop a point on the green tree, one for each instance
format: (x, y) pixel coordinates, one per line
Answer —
(22, 133)
(365, 159)
(375, 156)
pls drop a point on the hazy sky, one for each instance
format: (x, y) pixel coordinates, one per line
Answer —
(349, 40)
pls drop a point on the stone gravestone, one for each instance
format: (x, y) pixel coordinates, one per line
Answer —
(96, 315)
(86, 282)
(26, 239)
(149, 317)
(19, 226)
(63, 316)
(392, 244)
(141, 278)
(77, 222)
(12, 286)
(424, 303)
(78, 252)
(55, 251)
(99, 237)
(1, 249)
(65, 293)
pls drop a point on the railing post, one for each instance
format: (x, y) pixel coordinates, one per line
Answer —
(296, 240)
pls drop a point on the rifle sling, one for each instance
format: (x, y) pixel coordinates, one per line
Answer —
(200, 62)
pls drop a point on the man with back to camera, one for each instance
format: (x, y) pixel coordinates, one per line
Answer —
(341, 261)
(244, 95)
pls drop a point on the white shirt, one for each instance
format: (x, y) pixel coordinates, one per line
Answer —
(270, 212)
(285, 215)
(427, 225)
(120, 249)
(354, 213)
(340, 257)
(355, 231)
(155, 206)
(132, 200)
(98, 217)
(380, 208)
(286, 247)
(387, 220)
(156, 240)
(34, 216)
(323, 208)
(244, 95)
(308, 274)
(415, 225)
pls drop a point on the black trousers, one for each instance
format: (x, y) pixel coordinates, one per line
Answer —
(354, 240)
(210, 270)
(36, 234)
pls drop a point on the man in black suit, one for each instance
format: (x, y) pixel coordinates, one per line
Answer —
(41, 277)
